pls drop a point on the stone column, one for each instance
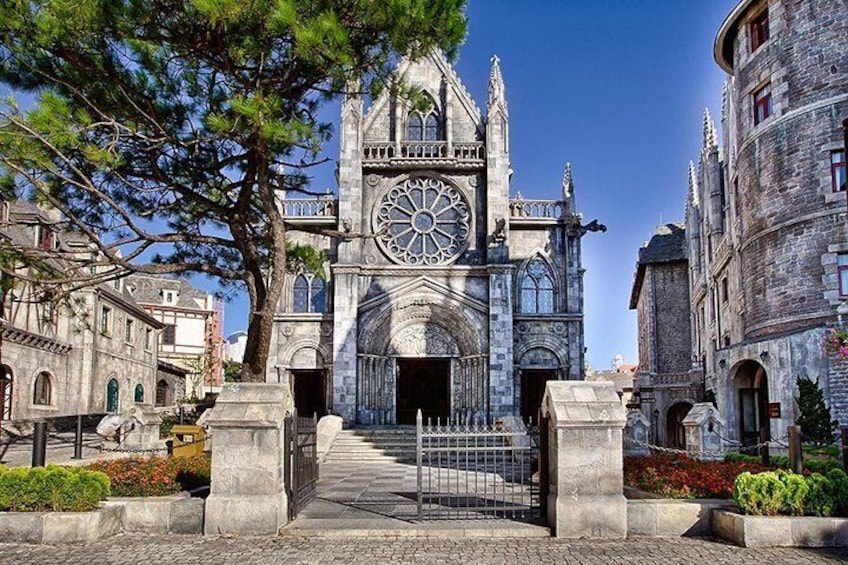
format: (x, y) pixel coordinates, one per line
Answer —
(248, 492)
(585, 460)
(501, 386)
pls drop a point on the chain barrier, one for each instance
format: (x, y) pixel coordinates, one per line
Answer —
(676, 451)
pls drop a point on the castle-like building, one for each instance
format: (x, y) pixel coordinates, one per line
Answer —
(766, 215)
(449, 295)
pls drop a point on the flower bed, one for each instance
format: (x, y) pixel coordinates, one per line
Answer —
(156, 476)
(678, 476)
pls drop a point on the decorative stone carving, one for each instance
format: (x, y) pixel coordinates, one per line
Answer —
(636, 432)
(372, 180)
(424, 221)
(704, 431)
(422, 341)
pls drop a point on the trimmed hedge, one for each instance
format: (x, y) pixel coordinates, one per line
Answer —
(155, 476)
(770, 493)
(51, 488)
(822, 466)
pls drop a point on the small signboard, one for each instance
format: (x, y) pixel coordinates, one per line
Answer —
(774, 409)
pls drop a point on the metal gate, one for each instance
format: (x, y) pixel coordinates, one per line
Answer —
(475, 470)
(301, 442)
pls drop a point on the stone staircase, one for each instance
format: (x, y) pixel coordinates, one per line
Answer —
(373, 445)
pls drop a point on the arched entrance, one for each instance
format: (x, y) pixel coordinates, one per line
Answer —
(309, 381)
(674, 432)
(536, 367)
(6, 382)
(162, 393)
(751, 382)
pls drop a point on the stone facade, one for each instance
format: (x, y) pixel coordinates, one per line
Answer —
(92, 353)
(446, 283)
(192, 337)
(666, 385)
(765, 218)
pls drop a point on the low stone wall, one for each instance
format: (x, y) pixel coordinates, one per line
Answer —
(60, 527)
(785, 531)
(178, 514)
(666, 517)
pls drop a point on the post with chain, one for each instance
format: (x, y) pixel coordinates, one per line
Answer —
(796, 456)
(764, 445)
(39, 444)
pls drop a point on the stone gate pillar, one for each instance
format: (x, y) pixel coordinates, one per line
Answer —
(585, 460)
(248, 492)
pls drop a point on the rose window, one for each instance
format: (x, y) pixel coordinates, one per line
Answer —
(423, 221)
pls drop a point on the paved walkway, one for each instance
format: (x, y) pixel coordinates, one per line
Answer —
(379, 498)
(60, 450)
(189, 550)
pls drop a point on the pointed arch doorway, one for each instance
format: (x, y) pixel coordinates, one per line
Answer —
(751, 381)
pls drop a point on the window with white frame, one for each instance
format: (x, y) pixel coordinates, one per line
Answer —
(842, 269)
(309, 294)
(837, 170)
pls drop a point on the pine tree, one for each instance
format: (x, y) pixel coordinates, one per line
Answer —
(815, 420)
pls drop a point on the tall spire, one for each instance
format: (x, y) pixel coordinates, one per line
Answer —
(567, 184)
(497, 94)
(693, 185)
(710, 135)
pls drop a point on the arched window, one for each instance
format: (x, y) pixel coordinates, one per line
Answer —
(310, 294)
(162, 393)
(112, 396)
(6, 392)
(425, 125)
(139, 394)
(537, 289)
(414, 128)
(42, 390)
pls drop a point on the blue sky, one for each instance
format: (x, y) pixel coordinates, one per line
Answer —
(616, 87)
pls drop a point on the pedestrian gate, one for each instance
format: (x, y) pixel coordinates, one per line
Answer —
(301, 461)
(475, 470)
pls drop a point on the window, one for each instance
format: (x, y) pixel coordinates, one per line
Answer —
(724, 292)
(128, 331)
(169, 296)
(105, 320)
(169, 335)
(762, 104)
(138, 395)
(309, 294)
(42, 389)
(759, 30)
(116, 284)
(112, 396)
(148, 338)
(537, 289)
(162, 393)
(414, 128)
(837, 170)
(842, 268)
(4, 211)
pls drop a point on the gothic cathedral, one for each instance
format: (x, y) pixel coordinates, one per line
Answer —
(450, 295)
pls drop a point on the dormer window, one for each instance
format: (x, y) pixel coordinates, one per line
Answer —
(4, 211)
(45, 239)
(169, 296)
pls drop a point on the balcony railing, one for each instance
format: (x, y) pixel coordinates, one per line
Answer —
(465, 152)
(320, 207)
(537, 209)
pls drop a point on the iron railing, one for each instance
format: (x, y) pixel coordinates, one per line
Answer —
(476, 470)
(301, 461)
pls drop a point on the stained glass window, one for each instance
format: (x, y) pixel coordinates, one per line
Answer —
(537, 289)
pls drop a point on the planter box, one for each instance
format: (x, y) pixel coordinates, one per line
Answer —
(177, 514)
(787, 531)
(666, 517)
(60, 527)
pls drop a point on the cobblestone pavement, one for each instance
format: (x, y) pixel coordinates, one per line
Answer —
(173, 550)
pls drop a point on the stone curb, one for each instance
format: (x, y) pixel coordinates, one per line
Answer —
(780, 531)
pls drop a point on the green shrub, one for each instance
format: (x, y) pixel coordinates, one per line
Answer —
(821, 466)
(51, 488)
(839, 484)
(819, 499)
(762, 494)
(796, 491)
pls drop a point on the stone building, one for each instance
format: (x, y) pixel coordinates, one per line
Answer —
(450, 295)
(765, 216)
(666, 384)
(192, 336)
(92, 353)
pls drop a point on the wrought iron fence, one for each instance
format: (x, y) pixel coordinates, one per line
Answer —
(474, 470)
(301, 459)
